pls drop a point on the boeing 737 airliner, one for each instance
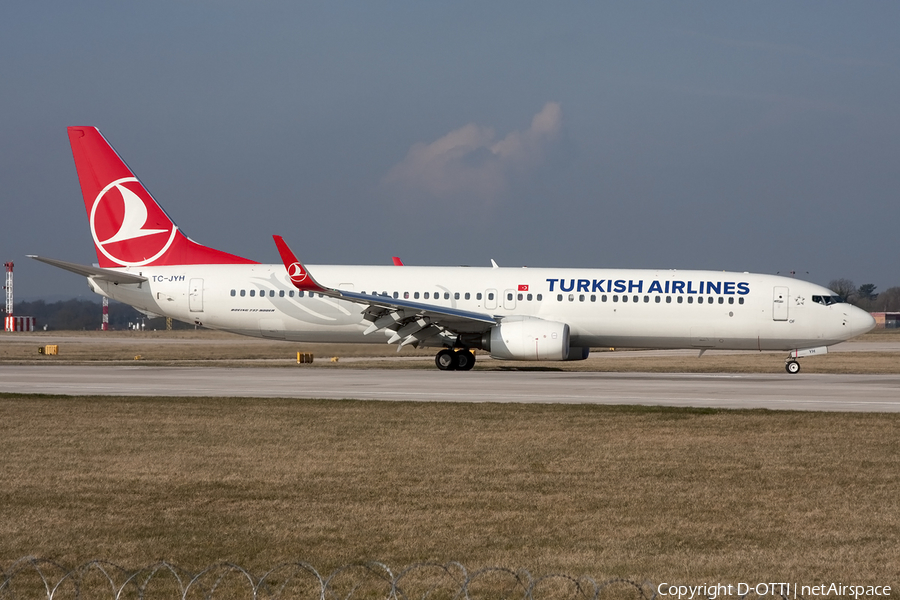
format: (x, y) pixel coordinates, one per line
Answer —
(541, 314)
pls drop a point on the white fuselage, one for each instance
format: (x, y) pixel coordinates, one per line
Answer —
(603, 307)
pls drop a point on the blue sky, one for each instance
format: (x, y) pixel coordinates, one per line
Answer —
(751, 137)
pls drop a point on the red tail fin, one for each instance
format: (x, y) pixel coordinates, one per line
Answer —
(128, 226)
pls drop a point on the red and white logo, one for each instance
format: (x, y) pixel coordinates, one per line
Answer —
(296, 273)
(523, 287)
(128, 227)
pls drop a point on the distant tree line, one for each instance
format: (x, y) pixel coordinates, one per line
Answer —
(865, 296)
(82, 314)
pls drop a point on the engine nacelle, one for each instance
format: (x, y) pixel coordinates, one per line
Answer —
(528, 338)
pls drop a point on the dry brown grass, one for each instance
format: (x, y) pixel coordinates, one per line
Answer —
(665, 494)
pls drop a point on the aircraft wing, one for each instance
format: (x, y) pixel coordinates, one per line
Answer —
(411, 322)
(110, 275)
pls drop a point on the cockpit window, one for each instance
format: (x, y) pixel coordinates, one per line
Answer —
(827, 300)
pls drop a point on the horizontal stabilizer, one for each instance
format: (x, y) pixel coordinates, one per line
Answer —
(93, 272)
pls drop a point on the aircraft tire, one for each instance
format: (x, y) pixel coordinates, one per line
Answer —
(792, 367)
(445, 360)
(465, 360)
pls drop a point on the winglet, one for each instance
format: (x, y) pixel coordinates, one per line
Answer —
(397, 261)
(297, 273)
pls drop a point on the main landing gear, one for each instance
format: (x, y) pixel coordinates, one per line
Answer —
(459, 360)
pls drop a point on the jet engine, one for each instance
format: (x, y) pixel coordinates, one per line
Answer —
(528, 338)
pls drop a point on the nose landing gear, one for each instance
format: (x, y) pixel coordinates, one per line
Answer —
(792, 366)
(460, 360)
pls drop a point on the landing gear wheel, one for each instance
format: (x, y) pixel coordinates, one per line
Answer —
(792, 367)
(446, 360)
(465, 360)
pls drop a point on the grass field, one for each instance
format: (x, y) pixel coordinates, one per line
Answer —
(663, 494)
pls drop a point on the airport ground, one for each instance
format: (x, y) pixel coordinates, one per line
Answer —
(875, 352)
(667, 494)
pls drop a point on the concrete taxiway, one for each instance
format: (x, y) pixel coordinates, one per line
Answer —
(855, 393)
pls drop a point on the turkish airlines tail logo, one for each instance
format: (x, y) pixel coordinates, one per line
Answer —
(128, 227)
(134, 220)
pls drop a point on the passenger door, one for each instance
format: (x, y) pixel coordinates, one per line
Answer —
(780, 303)
(195, 298)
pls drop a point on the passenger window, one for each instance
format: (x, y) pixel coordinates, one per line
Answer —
(520, 297)
(416, 295)
(740, 300)
(680, 299)
(624, 298)
(721, 300)
(700, 300)
(646, 299)
(491, 296)
(540, 297)
(456, 296)
(478, 296)
(529, 297)
(291, 293)
(731, 301)
(668, 299)
(581, 297)
(658, 299)
(233, 292)
(301, 294)
(559, 297)
(271, 293)
(252, 293)
(396, 295)
(446, 295)
(406, 295)
(593, 297)
(243, 292)
(426, 295)
(468, 295)
(635, 298)
(281, 293)
(571, 297)
(615, 298)
(690, 299)
(603, 297)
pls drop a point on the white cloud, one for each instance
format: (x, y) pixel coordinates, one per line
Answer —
(469, 161)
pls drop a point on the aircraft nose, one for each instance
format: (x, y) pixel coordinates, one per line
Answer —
(859, 321)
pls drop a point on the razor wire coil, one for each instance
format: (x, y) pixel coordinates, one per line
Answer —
(39, 578)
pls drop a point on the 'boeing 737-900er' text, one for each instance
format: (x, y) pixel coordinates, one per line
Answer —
(513, 313)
